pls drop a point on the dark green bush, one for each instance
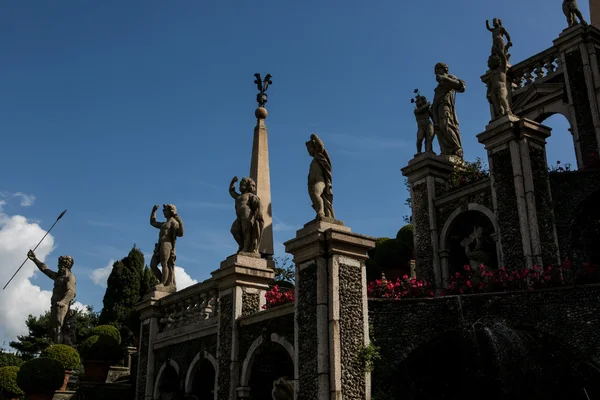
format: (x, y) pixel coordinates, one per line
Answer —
(68, 356)
(10, 359)
(107, 330)
(100, 348)
(8, 382)
(41, 375)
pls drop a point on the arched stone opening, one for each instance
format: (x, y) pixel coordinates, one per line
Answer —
(168, 384)
(585, 234)
(492, 361)
(267, 361)
(469, 238)
(562, 145)
(201, 377)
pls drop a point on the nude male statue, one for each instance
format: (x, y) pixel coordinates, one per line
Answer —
(425, 132)
(320, 178)
(571, 10)
(62, 293)
(248, 227)
(498, 33)
(497, 92)
(164, 250)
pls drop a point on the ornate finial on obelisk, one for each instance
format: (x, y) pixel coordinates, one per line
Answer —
(259, 166)
(261, 97)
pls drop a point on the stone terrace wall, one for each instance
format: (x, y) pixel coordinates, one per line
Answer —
(279, 320)
(569, 315)
(569, 192)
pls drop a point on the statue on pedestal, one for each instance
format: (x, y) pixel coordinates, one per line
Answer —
(164, 250)
(497, 91)
(498, 33)
(320, 179)
(444, 111)
(62, 293)
(571, 11)
(248, 227)
(425, 126)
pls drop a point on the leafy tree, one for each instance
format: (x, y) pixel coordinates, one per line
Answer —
(9, 359)
(39, 337)
(129, 280)
(285, 274)
(391, 254)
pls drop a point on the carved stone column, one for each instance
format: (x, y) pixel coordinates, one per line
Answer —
(427, 175)
(242, 281)
(150, 315)
(331, 311)
(521, 191)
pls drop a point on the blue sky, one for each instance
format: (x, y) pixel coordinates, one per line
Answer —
(109, 107)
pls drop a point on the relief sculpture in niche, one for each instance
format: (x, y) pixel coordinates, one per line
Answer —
(474, 248)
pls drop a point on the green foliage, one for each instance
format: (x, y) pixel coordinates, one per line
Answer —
(100, 348)
(67, 355)
(285, 274)
(39, 338)
(468, 173)
(41, 375)
(391, 254)
(107, 330)
(369, 355)
(129, 280)
(10, 359)
(8, 382)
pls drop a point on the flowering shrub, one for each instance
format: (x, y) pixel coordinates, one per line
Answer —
(469, 172)
(401, 288)
(278, 296)
(560, 167)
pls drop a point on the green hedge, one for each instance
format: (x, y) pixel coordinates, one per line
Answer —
(107, 330)
(100, 348)
(41, 375)
(8, 382)
(68, 356)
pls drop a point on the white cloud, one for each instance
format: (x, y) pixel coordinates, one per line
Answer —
(100, 275)
(182, 279)
(21, 297)
(26, 199)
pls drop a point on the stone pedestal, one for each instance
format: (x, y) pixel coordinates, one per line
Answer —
(427, 175)
(521, 191)
(149, 316)
(242, 282)
(331, 318)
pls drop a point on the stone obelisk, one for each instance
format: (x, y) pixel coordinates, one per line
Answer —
(259, 166)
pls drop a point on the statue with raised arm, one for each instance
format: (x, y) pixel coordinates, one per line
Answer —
(62, 293)
(497, 91)
(320, 178)
(571, 10)
(164, 250)
(444, 111)
(425, 126)
(248, 227)
(498, 33)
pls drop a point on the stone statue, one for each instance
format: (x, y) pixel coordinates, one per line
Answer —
(571, 10)
(497, 91)
(425, 126)
(248, 227)
(320, 178)
(498, 33)
(473, 245)
(62, 294)
(70, 328)
(164, 250)
(283, 389)
(444, 111)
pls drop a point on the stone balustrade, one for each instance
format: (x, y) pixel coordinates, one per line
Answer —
(194, 304)
(533, 69)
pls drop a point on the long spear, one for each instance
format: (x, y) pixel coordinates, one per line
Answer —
(36, 246)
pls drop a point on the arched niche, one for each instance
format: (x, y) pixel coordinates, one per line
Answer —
(201, 377)
(494, 361)
(561, 146)
(472, 231)
(167, 385)
(585, 233)
(267, 360)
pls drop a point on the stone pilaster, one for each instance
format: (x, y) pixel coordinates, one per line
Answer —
(331, 318)
(150, 315)
(579, 57)
(427, 175)
(521, 191)
(260, 172)
(242, 282)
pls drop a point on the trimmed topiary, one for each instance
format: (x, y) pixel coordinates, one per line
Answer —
(8, 382)
(41, 375)
(100, 348)
(107, 330)
(68, 356)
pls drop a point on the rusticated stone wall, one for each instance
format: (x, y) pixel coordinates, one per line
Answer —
(307, 336)
(225, 345)
(423, 249)
(142, 372)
